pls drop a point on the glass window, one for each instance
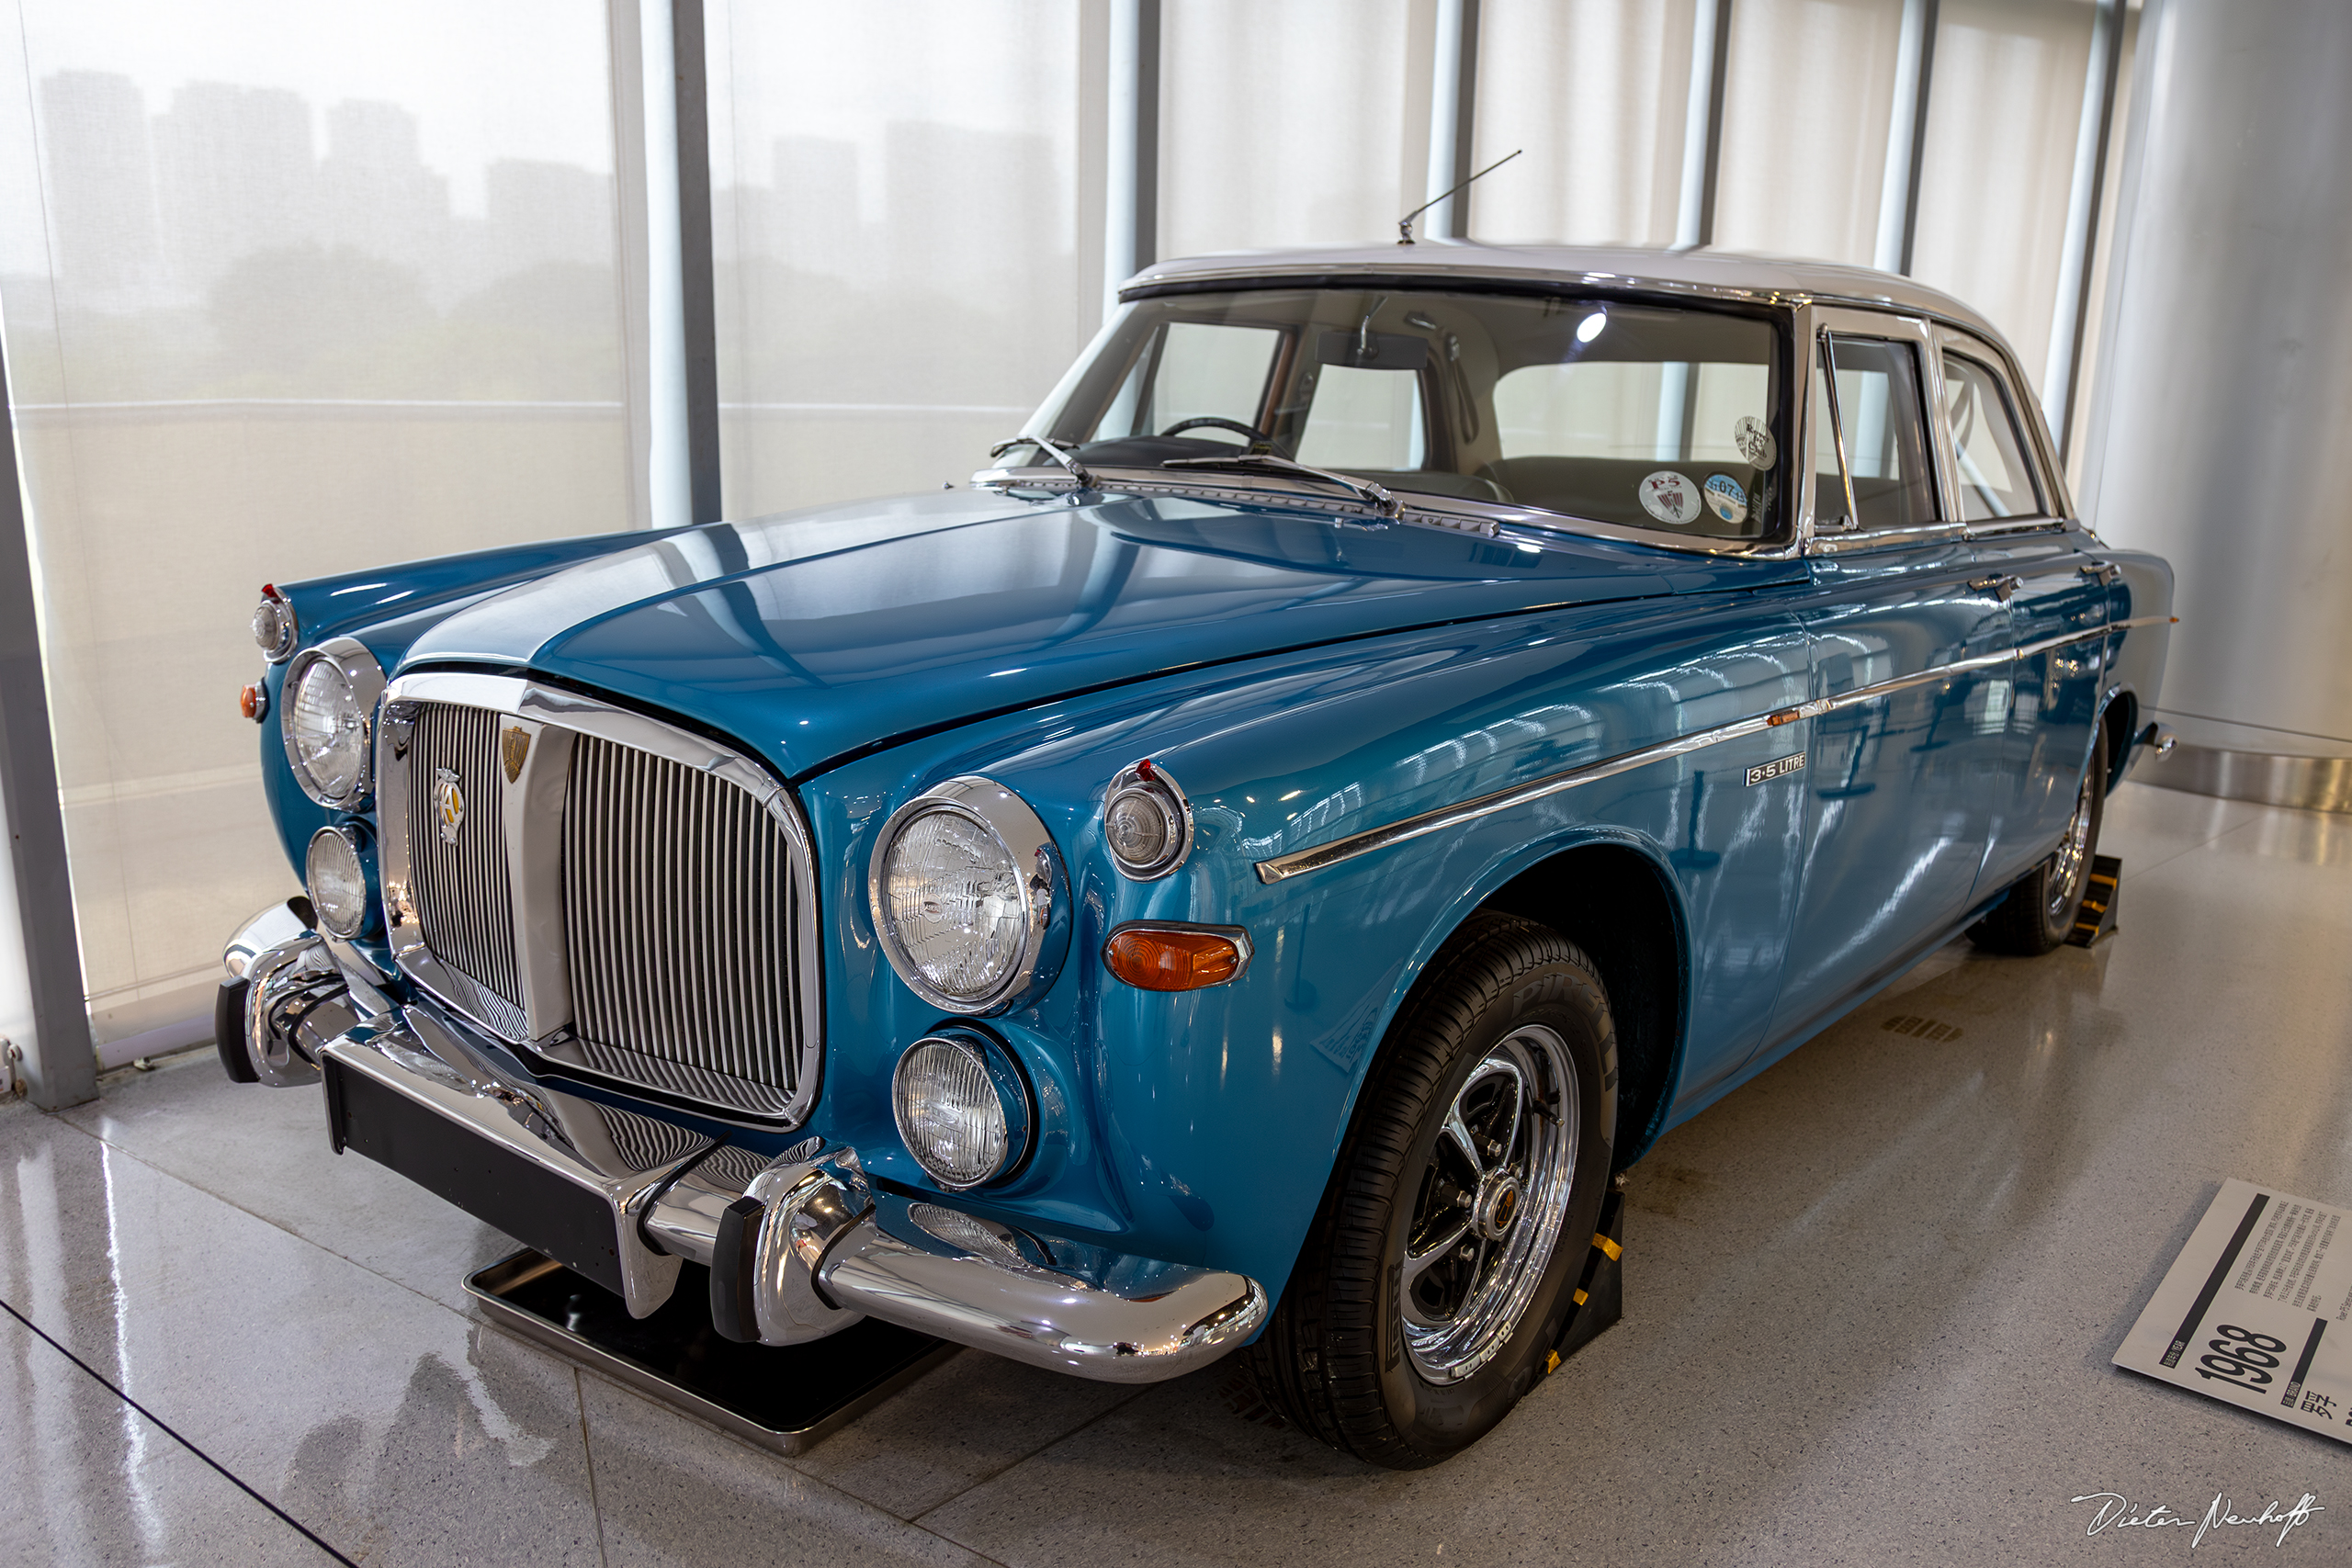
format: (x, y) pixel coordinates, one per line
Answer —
(1882, 408)
(1995, 480)
(1363, 419)
(1206, 370)
(1642, 415)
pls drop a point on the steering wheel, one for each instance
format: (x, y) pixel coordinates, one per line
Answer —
(1256, 436)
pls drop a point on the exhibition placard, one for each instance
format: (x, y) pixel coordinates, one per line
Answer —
(2253, 1312)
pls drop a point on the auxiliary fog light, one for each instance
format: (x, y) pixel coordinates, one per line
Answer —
(337, 882)
(963, 1108)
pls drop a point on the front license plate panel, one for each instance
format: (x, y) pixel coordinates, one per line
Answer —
(495, 1185)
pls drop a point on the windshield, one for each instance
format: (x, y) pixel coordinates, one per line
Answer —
(1666, 418)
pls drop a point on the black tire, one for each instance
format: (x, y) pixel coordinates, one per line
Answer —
(1338, 1359)
(2038, 913)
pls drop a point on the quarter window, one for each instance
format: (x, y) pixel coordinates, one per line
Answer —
(1995, 480)
(1883, 415)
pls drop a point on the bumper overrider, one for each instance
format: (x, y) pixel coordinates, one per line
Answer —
(798, 1246)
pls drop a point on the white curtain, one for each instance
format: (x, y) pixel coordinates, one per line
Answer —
(899, 207)
(1299, 123)
(1806, 109)
(1998, 164)
(288, 289)
(1591, 95)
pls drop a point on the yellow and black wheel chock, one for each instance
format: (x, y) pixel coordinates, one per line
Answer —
(1600, 1299)
(2095, 918)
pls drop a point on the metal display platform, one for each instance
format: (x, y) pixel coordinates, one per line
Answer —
(788, 1400)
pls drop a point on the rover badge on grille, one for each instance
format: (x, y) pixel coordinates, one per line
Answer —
(513, 746)
(448, 804)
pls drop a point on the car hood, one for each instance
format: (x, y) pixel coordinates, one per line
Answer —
(815, 636)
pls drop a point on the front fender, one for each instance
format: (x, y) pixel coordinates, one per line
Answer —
(1200, 1126)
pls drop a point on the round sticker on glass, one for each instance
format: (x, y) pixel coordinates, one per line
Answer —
(1670, 497)
(1726, 499)
(1754, 441)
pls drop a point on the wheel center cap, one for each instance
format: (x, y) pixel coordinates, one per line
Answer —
(1496, 1206)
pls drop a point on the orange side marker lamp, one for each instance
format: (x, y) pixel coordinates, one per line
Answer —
(254, 701)
(1159, 955)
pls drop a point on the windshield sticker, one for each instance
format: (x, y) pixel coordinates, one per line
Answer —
(1754, 441)
(1726, 499)
(1670, 497)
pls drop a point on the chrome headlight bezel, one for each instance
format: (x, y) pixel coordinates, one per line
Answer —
(348, 836)
(1045, 918)
(363, 681)
(1015, 1104)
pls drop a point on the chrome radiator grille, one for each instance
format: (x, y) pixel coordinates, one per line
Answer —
(612, 894)
(678, 917)
(460, 881)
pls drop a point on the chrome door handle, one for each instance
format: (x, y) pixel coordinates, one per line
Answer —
(2002, 588)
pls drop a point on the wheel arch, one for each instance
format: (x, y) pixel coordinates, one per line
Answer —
(1618, 904)
(2119, 720)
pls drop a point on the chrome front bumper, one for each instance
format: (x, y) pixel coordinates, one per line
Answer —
(799, 1248)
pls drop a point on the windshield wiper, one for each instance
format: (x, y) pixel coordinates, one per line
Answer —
(1377, 497)
(1065, 456)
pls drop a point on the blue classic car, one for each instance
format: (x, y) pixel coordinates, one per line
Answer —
(1403, 728)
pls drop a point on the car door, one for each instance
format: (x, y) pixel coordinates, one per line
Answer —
(1905, 757)
(2015, 513)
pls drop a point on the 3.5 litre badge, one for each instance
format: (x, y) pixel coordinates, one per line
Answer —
(1777, 767)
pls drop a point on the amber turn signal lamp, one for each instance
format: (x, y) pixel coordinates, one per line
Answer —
(254, 702)
(1177, 958)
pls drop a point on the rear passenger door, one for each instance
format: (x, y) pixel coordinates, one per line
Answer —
(1902, 775)
(2014, 512)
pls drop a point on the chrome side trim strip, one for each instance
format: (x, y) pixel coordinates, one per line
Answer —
(1282, 867)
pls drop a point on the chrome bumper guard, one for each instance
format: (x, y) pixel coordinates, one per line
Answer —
(802, 1248)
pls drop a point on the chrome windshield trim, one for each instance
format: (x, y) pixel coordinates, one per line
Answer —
(1282, 867)
(1486, 520)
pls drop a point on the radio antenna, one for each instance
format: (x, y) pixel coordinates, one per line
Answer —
(1405, 224)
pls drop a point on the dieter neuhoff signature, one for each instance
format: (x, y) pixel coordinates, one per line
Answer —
(2114, 1511)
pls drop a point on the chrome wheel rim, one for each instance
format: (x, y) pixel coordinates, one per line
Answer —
(2073, 853)
(1490, 1204)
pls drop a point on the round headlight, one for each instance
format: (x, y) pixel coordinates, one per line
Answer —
(337, 882)
(274, 626)
(1147, 822)
(962, 1108)
(964, 884)
(330, 708)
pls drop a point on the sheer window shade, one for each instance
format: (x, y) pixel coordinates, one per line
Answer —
(896, 212)
(1592, 93)
(1301, 123)
(287, 291)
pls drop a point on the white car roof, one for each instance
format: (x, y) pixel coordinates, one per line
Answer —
(1731, 273)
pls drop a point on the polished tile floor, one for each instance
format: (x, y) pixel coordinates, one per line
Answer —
(1870, 1301)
